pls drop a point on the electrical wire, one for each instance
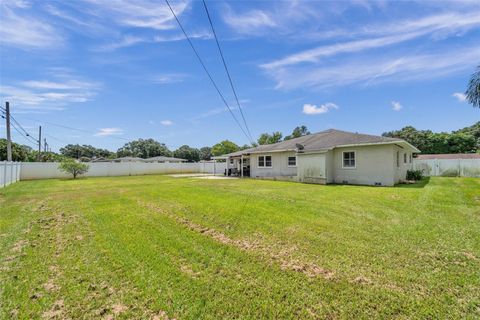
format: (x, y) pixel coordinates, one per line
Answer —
(226, 70)
(207, 72)
(82, 130)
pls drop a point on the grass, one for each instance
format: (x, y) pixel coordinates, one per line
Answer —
(163, 248)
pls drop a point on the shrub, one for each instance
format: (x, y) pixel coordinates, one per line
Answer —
(73, 167)
(415, 175)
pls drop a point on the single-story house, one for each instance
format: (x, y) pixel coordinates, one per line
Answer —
(128, 159)
(162, 159)
(330, 156)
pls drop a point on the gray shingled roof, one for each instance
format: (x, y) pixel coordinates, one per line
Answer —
(323, 140)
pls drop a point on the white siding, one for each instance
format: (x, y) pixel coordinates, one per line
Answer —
(279, 167)
(401, 169)
(374, 164)
(312, 168)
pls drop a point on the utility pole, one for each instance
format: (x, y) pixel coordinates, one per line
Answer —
(9, 138)
(39, 142)
(44, 145)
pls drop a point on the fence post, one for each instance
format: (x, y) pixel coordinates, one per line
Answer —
(4, 173)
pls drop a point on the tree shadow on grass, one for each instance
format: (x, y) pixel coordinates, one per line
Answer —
(419, 184)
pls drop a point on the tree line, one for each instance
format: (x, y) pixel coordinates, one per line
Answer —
(466, 140)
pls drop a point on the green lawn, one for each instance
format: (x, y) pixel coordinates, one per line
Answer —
(162, 248)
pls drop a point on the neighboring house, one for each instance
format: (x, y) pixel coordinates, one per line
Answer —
(330, 156)
(128, 159)
(162, 159)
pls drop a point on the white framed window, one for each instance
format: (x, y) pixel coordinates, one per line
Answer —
(398, 159)
(231, 160)
(348, 159)
(404, 158)
(292, 161)
(264, 161)
(410, 158)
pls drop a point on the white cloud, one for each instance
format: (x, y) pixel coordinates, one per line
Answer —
(396, 106)
(462, 97)
(102, 132)
(248, 22)
(140, 13)
(313, 55)
(23, 30)
(63, 85)
(130, 40)
(377, 69)
(312, 109)
(55, 94)
(443, 24)
(167, 78)
(166, 122)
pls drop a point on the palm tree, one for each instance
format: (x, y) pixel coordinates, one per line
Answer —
(473, 90)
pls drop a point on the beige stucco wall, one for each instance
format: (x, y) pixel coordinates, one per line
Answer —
(402, 168)
(373, 164)
(279, 165)
(312, 168)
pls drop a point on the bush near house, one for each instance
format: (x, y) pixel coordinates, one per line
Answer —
(415, 175)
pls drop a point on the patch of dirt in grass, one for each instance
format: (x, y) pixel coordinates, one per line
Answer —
(50, 286)
(362, 280)
(280, 254)
(19, 245)
(57, 311)
(119, 308)
(161, 315)
(185, 268)
(469, 255)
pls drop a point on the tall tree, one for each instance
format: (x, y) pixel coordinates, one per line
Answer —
(205, 153)
(19, 152)
(266, 138)
(224, 147)
(298, 132)
(188, 153)
(144, 148)
(433, 143)
(473, 90)
(77, 151)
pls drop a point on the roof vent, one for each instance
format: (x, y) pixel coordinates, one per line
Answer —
(299, 146)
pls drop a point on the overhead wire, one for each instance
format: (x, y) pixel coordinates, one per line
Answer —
(207, 72)
(226, 69)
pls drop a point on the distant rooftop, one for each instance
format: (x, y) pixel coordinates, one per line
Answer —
(163, 158)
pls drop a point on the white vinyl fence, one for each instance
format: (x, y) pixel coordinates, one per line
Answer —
(448, 167)
(47, 170)
(9, 172)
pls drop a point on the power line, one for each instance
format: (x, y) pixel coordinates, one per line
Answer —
(25, 132)
(81, 130)
(26, 137)
(207, 72)
(226, 69)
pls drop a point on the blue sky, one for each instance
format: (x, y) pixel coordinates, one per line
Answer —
(121, 70)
